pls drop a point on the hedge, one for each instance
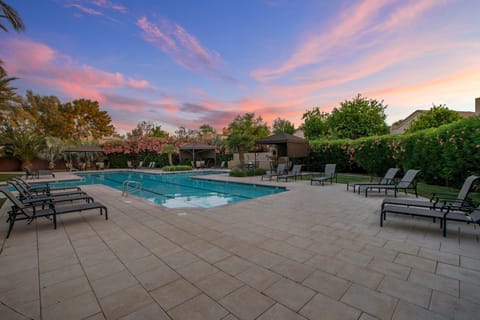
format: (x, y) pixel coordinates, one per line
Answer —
(446, 155)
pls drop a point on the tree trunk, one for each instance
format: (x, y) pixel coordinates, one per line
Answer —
(170, 162)
(241, 156)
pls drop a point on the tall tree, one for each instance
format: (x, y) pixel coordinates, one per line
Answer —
(359, 117)
(50, 120)
(314, 123)
(282, 126)
(435, 117)
(11, 15)
(8, 94)
(243, 132)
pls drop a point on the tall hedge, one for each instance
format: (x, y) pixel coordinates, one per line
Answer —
(446, 155)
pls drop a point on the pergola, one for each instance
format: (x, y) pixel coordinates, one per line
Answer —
(84, 150)
(288, 145)
(198, 150)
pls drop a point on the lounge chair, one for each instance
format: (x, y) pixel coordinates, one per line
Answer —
(151, 165)
(130, 165)
(329, 174)
(296, 172)
(21, 211)
(466, 214)
(406, 183)
(40, 199)
(42, 187)
(280, 170)
(439, 200)
(140, 165)
(388, 178)
(31, 173)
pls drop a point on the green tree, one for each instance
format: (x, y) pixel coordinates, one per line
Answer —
(169, 150)
(282, 126)
(50, 120)
(8, 94)
(22, 143)
(359, 117)
(87, 119)
(243, 132)
(314, 123)
(433, 118)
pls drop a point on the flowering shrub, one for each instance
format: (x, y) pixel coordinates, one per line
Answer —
(445, 155)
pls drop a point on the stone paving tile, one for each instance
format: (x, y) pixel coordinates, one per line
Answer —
(407, 291)
(440, 256)
(124, 302)
(234, 265)
(326, 263)
(9, 314)
(149, 312)
(246, 303)
(65, 290)
(453, 308)
(390, 268)
(379, 252)
(324, 308)
(366, 316)
(416, 262)
(102, 270)
(436, 282)
(290, 293)
(258, 277)
(402, 246)
(200, 307)
(279, 312)
(293, 270)
(214, 254)
(408, 311)
(59, 275)
(197, 271)
(300, 242)
(219, 285)
(325, 249)
(112, 283)
(461, 274)
(78, 307)
(363, 276)
(372, 302)
(180, 259)
(157, 277)
(141, 265)
(266, 259)
(97, 316)
(174, 293)
(327, 284)
(469, 291)
(470, 263)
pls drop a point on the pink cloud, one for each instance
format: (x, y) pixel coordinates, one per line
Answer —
(84, 6)
(181, 46)
(110, 5)
(85, 9)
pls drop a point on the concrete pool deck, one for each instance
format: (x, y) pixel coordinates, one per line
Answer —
(315, 252)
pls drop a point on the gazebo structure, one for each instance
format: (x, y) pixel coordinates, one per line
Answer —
(198, 151)
(287, 145)
(84, 150)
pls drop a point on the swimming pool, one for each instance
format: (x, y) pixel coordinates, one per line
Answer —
(178, 190)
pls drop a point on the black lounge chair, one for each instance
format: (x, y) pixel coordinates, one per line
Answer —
(438, 200)
(41, 199)
(406, 183)
(31, 173)
(42, 187)
(29, 212)
(388, 178)
(280, 171)
(329, 174)
(466, 214)
(296, 172)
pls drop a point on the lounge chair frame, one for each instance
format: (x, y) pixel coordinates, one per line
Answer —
(296, 172)
(408, 182)
(329, 174)
(21, 211)
(281, 167)
(388, 178)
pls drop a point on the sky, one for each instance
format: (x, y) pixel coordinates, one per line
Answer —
(192, 62)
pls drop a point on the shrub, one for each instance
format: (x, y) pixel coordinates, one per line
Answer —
(237, 172)
(177, 168)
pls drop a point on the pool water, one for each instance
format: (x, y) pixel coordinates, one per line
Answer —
(177, 190)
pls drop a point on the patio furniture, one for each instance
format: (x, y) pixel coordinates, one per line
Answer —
(31, 173)
(130, 165)
(438, 200)
(28, 198)
(388, 178)
(296, 172)
(460, 213)
(280, 170)
(329, 174)
(151, 165)
(408, 182)
(43, 188)
(29, 212)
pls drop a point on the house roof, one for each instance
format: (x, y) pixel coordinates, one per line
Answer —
(282, 138)
(197, 146)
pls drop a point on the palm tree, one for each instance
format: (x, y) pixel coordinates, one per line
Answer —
(12, 16)
(22, 144)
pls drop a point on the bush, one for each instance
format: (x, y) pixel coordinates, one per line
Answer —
(177, 168)
(237, 172)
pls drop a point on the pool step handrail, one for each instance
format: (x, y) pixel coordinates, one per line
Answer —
(130, 185)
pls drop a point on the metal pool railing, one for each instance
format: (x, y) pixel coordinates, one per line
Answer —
(130, 185)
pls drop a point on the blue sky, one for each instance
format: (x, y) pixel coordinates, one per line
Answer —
(186, 63)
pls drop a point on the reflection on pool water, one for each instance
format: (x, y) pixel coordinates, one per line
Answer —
(178, 190)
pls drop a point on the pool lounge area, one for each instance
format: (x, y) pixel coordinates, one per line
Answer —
(314, 252)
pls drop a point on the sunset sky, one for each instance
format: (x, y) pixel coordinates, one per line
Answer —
(190, 62)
